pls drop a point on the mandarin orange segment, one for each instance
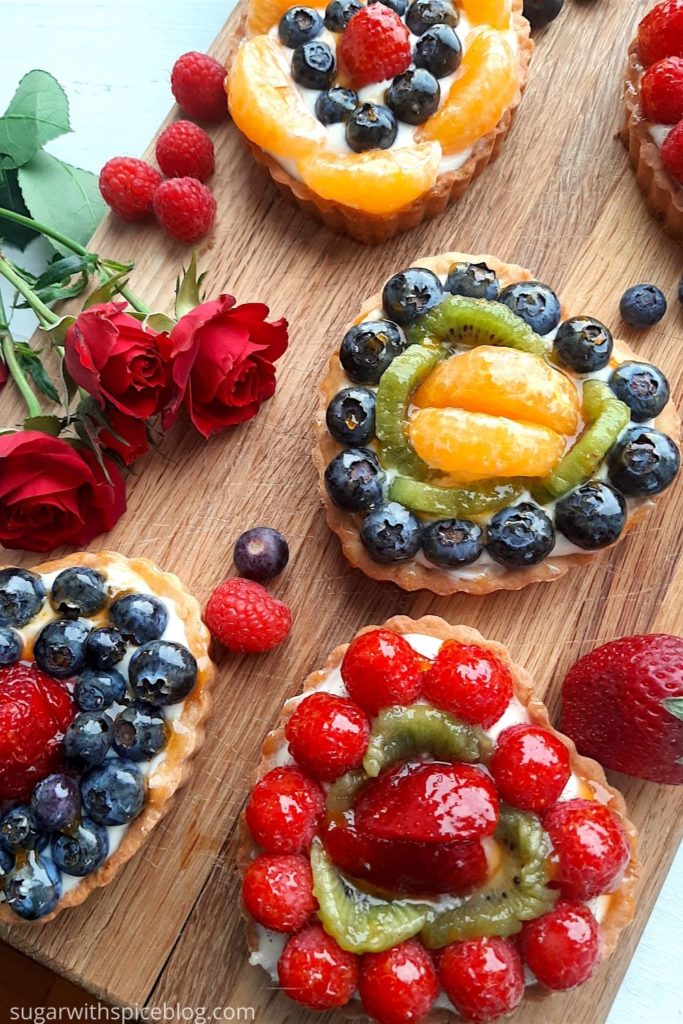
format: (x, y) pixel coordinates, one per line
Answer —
(476, 446)
(265, 105)
(495, 13)
(377, 181)
(503, 382)
(263, 14)
(485, 87)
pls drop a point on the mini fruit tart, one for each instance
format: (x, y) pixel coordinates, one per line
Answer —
(104, 687)
(414, 810)
(473, 437)
(374, 117)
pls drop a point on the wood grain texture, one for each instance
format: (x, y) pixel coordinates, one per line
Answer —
(562, 201)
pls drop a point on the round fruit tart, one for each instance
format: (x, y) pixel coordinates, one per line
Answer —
(473, 437)
(104, 676)
(376, 116)
(414, 810)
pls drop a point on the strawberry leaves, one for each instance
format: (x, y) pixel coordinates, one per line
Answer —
(674, 705)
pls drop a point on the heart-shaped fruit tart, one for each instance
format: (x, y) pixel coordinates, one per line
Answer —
(414, 810)
(104, 676)
(375, 117)
(472, 437)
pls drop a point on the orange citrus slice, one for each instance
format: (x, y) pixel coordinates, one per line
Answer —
(495, 13)
(263, 14)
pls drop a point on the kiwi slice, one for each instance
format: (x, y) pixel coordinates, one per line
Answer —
(400, 733)
(393, 394)
(518, 893)
(456, 502)
(463, 321)
(342, 794)
(360, 922)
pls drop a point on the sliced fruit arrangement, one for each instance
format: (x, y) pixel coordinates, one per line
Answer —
(473, 437)
(414, 811)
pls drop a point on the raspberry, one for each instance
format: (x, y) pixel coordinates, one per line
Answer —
(198, 84)
(244, 616)
(562, 948)
(184, 150)
(278, 891)
(185, 208)
(469, 681)
(672, 158)
(128, 185)
(317, 972)
(284, 810)
(661, 91)
(530, 766)
(380, 668)
(590, 848)
(35, 711)
(375, 45)
(328, 735)
(483, 978)
(398, 985)
(660, 33)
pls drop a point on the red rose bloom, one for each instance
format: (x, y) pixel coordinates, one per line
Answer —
(223, 357)
(115, 359)
(127, 437)
(52, 493)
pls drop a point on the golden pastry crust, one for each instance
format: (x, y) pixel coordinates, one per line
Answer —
(449, 186)
(176, 767)
(622, 902)
(413, 575)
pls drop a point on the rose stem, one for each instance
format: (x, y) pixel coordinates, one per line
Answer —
(18, 375)
(47, 318)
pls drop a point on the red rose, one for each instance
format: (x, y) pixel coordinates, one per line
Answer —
(115, 359)
(127, 437)
(52, 493)
(222, 357)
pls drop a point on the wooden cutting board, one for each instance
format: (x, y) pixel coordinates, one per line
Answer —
(561, 201)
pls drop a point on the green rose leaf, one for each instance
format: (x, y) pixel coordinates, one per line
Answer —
(674, 705)
(12, 199)
(45, 424)
(38, 112)
(64, 197)
(31, 364)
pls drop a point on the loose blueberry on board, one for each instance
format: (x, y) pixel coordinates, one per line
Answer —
(335, 105)
(643, 388)
(162, 673)
(313, 65)
(33, 887)
(299, 25)
(592, 516)
(338, 14)
(11, 646)
(21, 596)
(424, 14)
(350, 418)
(140, 733)
(583, 344)
(643, 462)
(413, 96)
(452, 542)
(520, 535)
(261, 553)
(369, 348)
(473, 280)
(98, 689)
(439, 50)
(391, 533)
(78, 592)
(371, 126)
(19, 830)
(140, 617)
(409, 294)
(642, 305)
(399, 6)
(541, 12)
(535, 303)
(354, 480)
(105, 648)
(114, 793)
(87, 740)
(82, 850)
(56, 802)
(60, 648)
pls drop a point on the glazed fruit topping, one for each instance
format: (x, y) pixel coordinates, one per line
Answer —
(313, 65)
(590, 848)
(530, 767)
(661, 91)
(284, 810)
(354, 480)
(335, 105)
(469, 682)
(391, 533)
(452, 542)
(643, 462)
(473, 280)
(278, 891)
(439, 50)
(338, 13)
(414, 95)
(60, 648)
(460, 320)
(672, 158)
(315, 971)
(11, 646)
(535, 303)
(114, 792)
(139, 617)
(398, 985)
(592, 516)
(562, 948)
(78, 591)
(327, 735)
(660, 33)
(642, 387)
(520, 535)
(424, 14)
(483, 978)
(369, 348)
(350, 416)
(299, 25)
(402, 733)
(380, 668)
(371, 126)
(583, 344)
(375, 45)
(410, 294)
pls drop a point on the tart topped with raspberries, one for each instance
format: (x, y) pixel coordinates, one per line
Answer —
(473, 437)
(104, 676)
(414, 812)
(375, 116)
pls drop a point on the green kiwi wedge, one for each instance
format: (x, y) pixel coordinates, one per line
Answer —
(396, 386)
(399, 733)
(469, 322)
(454, 502)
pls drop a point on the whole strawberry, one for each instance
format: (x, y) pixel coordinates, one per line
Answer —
(244, 616)
(623, 705)
(375, 45)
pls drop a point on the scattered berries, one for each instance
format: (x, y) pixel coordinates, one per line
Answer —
(284, 810)
(317, 972)
(469, 682)
(244, 617)
(540, 12)
(660, 33)
(184, 150)
(530, 767)
(327, 735)
(398, 985)
(562, 947)
(128, 186)
(185, 208)
(278, 891)
(198, 84)
(483, 978)
(672, 153)
(375, 45)
(643, 305)
(590, 848)
(380, 668)
(661, 91)
(261, 553)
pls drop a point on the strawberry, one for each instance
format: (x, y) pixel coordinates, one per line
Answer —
(483, 978)
(672, 153)
(278, 891)
(661, 91)
(623, 704)
(562, 947)
(317, 972)
(660, 33)
(380, 668)
(530, 767)
(469, 682)
(328, 735)
(590, 848)
(284, 809)
(398, 985)
(375, 45)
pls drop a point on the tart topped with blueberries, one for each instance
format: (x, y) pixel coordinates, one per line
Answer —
(421, 839)
(104, 676)
(474, 437)
(374, 116)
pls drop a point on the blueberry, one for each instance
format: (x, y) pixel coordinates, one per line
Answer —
(82, 850)
(643, 388)
(6, 863)
(114, 793)
(439, 50)
(452, 542)
(398, 6)
(335, 105)
(535, 303)
(540, 12)
(592, 516)
(642, 305)
(98, 689)
(162, 673)
(338, 14)
(87, 740)
(140, 617)
(391, 533)
(350, 416)
(354, 480)
(299, 25)
(19, 830)
(680, 291)
(78, 592)
(424, 14)
(583, 344)
(413, 96)
(105, 648)
(520, 535)
(473, 280)
(60, 648)
(140, 733)
(409, 294)
(261, 553)
(33, 887)
(21, 596)
(56, 802)
(369, 348)
(371, 126)
(313, 65)
(11, 646)
(643, 462)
